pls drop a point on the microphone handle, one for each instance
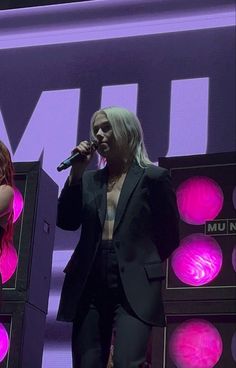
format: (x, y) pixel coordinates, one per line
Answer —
(76, 156)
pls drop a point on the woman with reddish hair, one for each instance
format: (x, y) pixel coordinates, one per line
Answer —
(6, 197)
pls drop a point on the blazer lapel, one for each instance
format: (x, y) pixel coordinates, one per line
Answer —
(100, 191)
(134, 174)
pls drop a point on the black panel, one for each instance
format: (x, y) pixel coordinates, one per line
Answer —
(213, 302)
(34, 237)
(24, 298)
(224, 323)
(25, 325)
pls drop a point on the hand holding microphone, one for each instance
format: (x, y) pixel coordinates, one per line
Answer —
(80, 157)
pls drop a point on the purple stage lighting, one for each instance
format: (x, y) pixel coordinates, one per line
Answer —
(195, 344)
(199, 199)
(18, 204)
(8, 262)
(4, 342)
(234, 198)
(234, 258)
(38, 25)
(233, 346)
(198, 260)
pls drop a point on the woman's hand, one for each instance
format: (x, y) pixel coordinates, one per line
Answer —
(86, 150)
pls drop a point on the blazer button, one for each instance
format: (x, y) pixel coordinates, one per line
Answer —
(122, 269)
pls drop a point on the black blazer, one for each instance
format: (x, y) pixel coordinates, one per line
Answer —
(145, 233)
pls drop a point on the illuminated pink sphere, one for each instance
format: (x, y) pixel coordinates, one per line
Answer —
(197, 260)
(18, 204)
(199, 199)
(4, 342)
(195, 344)
(8, 262)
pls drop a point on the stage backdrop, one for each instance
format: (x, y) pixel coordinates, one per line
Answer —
(173, 65)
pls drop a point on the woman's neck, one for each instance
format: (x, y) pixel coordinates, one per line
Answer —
(118, 167)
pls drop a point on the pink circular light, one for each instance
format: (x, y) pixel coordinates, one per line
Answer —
(8, 262)
(199, 199)
(4, 342)
(18, 204)
(197, 260)
(195, 344)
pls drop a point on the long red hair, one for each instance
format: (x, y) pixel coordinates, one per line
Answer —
(6, 177)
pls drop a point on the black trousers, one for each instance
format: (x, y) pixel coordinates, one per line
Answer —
(104, 309)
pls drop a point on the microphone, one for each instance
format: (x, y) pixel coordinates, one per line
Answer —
(76, 156)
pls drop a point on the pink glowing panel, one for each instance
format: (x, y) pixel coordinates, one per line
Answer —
(8, 262)
(18, 204)
(197, 260)
(199, 199)
(233, 346)
(195, 344)
(234, 258)
(4, 342)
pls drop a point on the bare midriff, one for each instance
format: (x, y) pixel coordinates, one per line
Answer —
(113, 194)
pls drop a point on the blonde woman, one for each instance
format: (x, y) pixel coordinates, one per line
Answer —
(129, 220)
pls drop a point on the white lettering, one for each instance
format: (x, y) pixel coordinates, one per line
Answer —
(51, 131)
(188, 117)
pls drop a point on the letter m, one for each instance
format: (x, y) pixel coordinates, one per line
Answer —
(51, 131)
(211, 228)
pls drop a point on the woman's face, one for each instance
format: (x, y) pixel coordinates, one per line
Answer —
(104, 135)
(108, 146)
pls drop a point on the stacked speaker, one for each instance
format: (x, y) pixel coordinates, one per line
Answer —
(26, 268)
(199, 291)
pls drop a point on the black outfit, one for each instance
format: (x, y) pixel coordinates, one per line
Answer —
(118, 281)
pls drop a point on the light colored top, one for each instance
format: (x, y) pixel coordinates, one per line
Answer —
(6, 204)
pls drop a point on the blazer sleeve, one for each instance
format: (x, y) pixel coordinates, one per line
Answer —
(69, 209)
(165, 214)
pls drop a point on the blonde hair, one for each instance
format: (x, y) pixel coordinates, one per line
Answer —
(127, 131)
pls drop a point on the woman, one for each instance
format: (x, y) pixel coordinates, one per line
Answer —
(129, 224)
(6, 197)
